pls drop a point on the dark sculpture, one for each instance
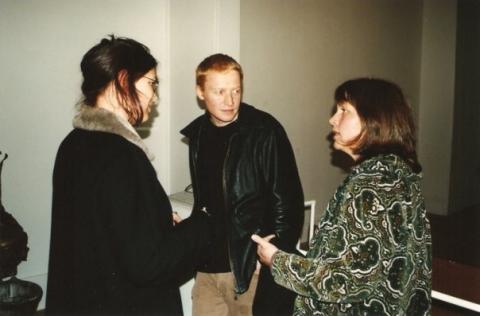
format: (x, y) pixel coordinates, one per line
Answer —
(13, 240)
(17, 297)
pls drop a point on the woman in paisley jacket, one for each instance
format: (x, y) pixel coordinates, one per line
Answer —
(372, 252)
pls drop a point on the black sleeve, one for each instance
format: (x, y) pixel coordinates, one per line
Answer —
(150, 249)
(286, 189)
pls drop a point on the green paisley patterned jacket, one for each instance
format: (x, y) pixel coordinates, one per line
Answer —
(372, 252)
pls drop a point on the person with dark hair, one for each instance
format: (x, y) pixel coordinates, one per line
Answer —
(244, 173)
(116, 248)
(372, 252)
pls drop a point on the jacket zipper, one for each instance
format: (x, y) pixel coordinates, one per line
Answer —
(195, 158)
(224, 185)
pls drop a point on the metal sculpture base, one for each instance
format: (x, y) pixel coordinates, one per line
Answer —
(19, 297)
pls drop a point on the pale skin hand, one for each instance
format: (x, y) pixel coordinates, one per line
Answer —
(265, 249)
(176, 218)
(259, 266)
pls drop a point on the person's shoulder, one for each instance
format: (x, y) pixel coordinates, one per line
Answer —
(386, 166)
(100, 142)
(193, 126)
(381, 173)
(364, 174)
(254, 117)
(70, 138)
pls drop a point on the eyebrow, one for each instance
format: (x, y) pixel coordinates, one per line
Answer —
(151, 79)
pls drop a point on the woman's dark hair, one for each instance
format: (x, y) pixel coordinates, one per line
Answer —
(119, 60)
(387, 120)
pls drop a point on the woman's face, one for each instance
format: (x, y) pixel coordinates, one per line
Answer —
(346, 127)
(147, 92)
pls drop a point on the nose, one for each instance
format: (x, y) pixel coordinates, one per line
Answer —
(333, 119)
(155, 98)
(228, 99)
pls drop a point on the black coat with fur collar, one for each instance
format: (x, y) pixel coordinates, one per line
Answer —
(114, 249)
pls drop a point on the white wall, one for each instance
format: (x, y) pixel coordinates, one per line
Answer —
(295, 53)
(198, 29)
(42, 43)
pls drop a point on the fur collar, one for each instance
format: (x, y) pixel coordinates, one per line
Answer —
(101, 120)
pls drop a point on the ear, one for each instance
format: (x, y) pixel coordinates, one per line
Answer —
(122, 78)
(200, 94)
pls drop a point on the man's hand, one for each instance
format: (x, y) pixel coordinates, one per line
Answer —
(265, 249)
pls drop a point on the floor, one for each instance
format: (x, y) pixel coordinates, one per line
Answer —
(439, 308)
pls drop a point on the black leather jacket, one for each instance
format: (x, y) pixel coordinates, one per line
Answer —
(262, 188)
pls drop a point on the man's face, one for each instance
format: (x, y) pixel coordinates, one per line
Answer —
(222, 93)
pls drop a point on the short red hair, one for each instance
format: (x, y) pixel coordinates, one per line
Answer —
(218, 63)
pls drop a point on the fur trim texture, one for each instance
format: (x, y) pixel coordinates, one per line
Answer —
(98, 119)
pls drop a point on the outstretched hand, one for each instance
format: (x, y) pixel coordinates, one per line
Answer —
(265, 249)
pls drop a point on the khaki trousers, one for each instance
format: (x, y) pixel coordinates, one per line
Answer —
(213, 295)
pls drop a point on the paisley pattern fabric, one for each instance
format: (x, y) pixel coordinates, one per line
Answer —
(372, 252)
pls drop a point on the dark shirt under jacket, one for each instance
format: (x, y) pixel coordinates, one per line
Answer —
(213, 149)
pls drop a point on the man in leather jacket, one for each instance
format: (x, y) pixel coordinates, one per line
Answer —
(244, 173)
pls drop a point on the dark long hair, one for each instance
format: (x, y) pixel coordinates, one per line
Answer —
(119, 60)
(387, 120)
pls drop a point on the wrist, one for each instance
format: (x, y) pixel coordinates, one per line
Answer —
(273, 257)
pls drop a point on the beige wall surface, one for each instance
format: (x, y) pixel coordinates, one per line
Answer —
(295, 53)
(437, 100)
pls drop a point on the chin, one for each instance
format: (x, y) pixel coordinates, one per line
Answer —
(228, 119)
(337, 146)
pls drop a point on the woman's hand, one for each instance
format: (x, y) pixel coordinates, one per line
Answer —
(265, 249)
(176, 218)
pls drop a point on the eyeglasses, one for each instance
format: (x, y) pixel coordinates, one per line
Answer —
(153, 83)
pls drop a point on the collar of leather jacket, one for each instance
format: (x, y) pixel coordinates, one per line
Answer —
(246, 119)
